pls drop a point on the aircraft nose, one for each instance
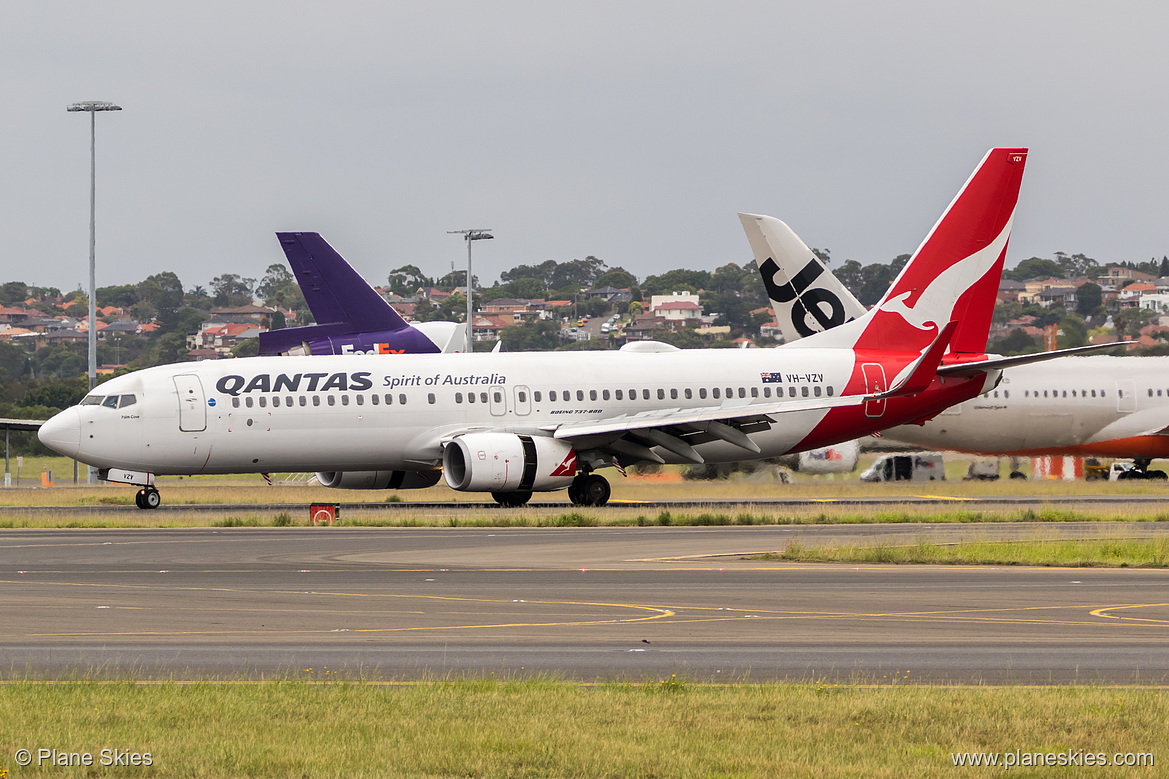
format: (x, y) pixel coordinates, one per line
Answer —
(62, 433)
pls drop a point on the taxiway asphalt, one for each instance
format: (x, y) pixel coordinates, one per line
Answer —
(582, 603)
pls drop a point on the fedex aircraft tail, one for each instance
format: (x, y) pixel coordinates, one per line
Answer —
(349, 312)
(952, 277)
(805, 297)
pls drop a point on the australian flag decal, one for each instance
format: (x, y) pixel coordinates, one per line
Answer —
(772, 378)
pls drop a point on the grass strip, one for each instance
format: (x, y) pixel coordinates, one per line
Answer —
(553, 728)
(1079, 553)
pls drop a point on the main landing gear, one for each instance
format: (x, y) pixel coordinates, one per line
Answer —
(148, 498)
(589, 489)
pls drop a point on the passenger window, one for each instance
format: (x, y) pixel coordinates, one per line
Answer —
(303, 400)
(604, 394)
(110, 402)
(767, 392)
(234, 402)
(482, 397)
(536, 396)
(430, 397)
(497, 396)
(263, 402)
(551, 396)
(633, 394)
(673, 393)
(389, 399)
(619, 394)
(1006, 393)
(804, 391)
(645, 394)
(248, 402)
(523, 396)
(288, 400)
(458, 397)
(730, 393)
(716, 393)
(592, 394)
(830, 390)
(471, 397)
(402, 398)
(373, 399)
(791, 392)
(689, 393)
(360, 399)
(661, 394)
(816, 390)
(332, 399)
(344, 400)
(275, 401)
(702, 393)
(742, 392)
(754, 392)
(580, 394)
(316, 400)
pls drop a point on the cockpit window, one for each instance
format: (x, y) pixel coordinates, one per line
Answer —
(109, 401)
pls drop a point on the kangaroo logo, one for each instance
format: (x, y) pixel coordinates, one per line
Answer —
(808, 300)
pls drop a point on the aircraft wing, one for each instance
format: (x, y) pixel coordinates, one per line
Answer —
(679, 430)
(998, 363)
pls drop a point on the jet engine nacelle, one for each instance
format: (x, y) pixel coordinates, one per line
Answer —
(378, 480)
(838, 458)
(506, 462)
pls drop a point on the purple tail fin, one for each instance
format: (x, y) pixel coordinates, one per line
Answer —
(335, 293)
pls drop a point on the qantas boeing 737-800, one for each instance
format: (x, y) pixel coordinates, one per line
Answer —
(512, 424)
(1099, 406)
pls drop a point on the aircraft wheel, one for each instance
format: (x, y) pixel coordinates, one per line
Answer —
(1156, 475)
(150, 498)
(511, 499)
(138, 499)
(575, 491)
(595, 490)
(1018, 475)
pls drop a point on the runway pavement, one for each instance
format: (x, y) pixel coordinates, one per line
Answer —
(587, 603)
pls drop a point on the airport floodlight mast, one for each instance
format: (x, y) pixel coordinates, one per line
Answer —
(468, 236)
(92, 107)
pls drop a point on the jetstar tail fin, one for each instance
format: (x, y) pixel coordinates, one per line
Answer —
(805, 297)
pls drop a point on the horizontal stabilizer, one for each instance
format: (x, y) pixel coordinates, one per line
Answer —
(968, 369)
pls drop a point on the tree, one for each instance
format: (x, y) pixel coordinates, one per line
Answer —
(1089, 298)
(122, 296)
(276, 279)
(618, 278)
(678, 280)
(540, 335)
(230, 289)
(1016, 342)
(407, 280)
(159, 296)
(1035, 268)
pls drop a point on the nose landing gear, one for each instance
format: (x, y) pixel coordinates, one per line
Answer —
(148, 498)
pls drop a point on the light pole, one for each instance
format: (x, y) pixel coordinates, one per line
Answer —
(468, 236)
(92, 107)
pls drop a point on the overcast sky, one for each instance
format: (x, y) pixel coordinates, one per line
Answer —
(632, 131)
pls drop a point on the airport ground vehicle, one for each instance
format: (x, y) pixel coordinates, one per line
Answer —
(918, 466)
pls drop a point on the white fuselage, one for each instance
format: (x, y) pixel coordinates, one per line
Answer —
(1073, 405)
(371, 412)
